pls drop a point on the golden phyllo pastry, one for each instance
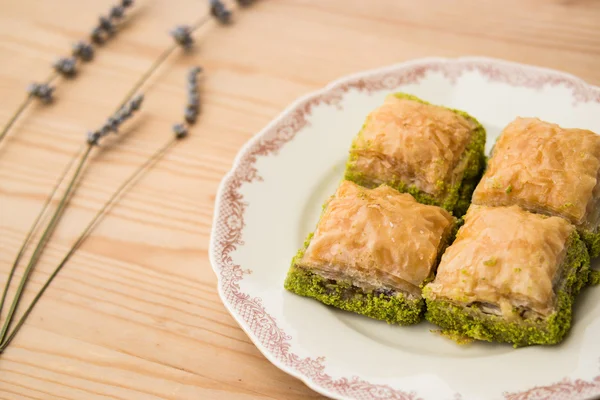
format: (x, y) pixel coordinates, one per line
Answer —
(510, 276)
(371, 252)
(434, 153)
(547, 169)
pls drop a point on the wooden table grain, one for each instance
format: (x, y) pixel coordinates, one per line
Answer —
(135, 314)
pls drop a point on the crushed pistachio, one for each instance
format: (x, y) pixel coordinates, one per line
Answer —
(491, 262)
(396, 309)
(493, 183)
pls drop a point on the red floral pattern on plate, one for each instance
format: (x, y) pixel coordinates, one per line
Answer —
(229, 220)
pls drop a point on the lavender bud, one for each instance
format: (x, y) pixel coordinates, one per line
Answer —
(192, 108)
(97, 35)
(66, 66)
(190, 116)
(192, 87)
(194, 100)
(33, 88)
(180, 131)
(124, 113)
(113, 124)
(183, 36)
(136, 103)
(194, 71)
(245, 3)
(42, 91)
(45, 90)
(83, 50)
(117, 12)
(93, 138)
(220, 11)
(126, 3)
(106, 25)
(105, 130)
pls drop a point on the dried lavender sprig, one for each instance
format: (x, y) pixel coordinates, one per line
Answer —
(192, 108)
(113, 122)
(125, 186)
(120, 115)
(66, 66)
(28, 99)
(85, 51)
(180, 131)
(162, 58)
(123, 112)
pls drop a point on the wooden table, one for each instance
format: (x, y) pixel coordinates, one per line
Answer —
(135, 314)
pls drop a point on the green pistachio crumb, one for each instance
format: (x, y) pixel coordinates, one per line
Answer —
(594, 278)
(491, 262)
(494, 184)
(395, 309)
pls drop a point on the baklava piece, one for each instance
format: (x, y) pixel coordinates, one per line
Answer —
(549, 170)
(510, 276)
(371, 253)
(432, 152)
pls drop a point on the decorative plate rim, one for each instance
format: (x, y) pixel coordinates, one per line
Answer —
(228, 219)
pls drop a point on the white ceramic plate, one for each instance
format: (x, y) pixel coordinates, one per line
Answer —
(271, 200)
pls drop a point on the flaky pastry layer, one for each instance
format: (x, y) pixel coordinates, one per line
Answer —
(409, 141)
(505, 257)
(546, 169)
(377, 238)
